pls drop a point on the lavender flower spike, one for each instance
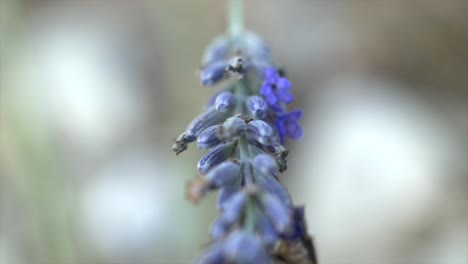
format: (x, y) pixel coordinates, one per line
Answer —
(243, 129)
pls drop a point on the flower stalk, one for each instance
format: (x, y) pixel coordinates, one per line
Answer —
(235, 10)
(243, 128)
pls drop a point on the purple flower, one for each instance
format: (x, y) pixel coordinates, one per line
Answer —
(275, 88)
(287, 124)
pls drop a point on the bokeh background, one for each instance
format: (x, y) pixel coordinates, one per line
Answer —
(93, 92)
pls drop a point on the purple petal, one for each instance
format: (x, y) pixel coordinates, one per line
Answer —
(283, 83)
(281, 129)
(270, 96)
(270, 75)
(294, 130)
(284, 95)
(295, 114)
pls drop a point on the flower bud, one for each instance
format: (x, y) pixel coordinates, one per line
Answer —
(224, 101)
(219, 228)
(209, 137)
(216, 50)
(245, 247)
(234, 207)
(274, 187)
(214, 157)
(257, 106)
(265, 164)
(299, 227)
(226, 193)
(201, 122)
(256, 48)
(267, 231)
(223, 174)
(261, 131)
(277, 211)
(213, 73)
(233, 127)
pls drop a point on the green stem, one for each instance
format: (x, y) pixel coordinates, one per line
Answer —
(245, 158)
(250, 216)
(235, 19)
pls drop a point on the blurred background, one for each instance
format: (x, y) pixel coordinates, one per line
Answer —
(93, 92)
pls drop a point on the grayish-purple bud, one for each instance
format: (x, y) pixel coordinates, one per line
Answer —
(214, 157)
(213, 255)
(209, 137)
(213, 73)
(226, 193)
(267, 231)
(204, 120)
(217, 50)
(256, 48)
(265, 164)
(219, 228)
(274, 187)
(257, 106)
(277, 211)
(245, 247)
(233, 127)
(234, 207)
(261, 131)
(223, 174)
(224, 101)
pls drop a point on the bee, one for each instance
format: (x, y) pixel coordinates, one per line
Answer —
(300, 249)
(298, 252)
